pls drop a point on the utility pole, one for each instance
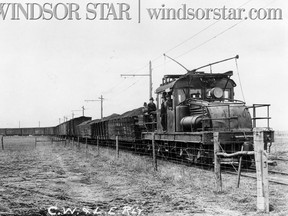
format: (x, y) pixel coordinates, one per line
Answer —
(101, 99)
(83, 108)
(78, 111)
(150, 78)
(65, 118)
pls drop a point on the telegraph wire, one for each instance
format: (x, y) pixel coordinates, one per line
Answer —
(185, 41)
(237, 68)
(196, 47)
(199, 32)
(190, 50)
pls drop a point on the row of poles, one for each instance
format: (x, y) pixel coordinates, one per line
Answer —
(72, 140)
(101, 99)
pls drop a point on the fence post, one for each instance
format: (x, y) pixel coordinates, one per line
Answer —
(154, 152)
(97, 139)
(117, 147)
(65, 141)
(2, 142)
(35, 141)
(78, 141)
(217, 165)
(261, 171)
(86, 144)
(239, 168)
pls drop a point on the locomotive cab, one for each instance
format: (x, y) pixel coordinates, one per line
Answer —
(199, 101)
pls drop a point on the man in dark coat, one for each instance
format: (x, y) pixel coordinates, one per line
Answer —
(151, 106)
(163, 113)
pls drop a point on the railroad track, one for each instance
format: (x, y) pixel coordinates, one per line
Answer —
(273, 176)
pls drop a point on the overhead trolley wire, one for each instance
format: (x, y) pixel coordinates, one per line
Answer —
(190, 50)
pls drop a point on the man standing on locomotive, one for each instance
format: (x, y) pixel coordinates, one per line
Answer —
(151, 107)
(152, 113)
(163, 112)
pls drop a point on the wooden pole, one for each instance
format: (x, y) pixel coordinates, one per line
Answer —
(97, 138)
(261, 171)
(117, 147)
(150, 79)
(86, 144)
(78, 140)
(35, 141)
(154, 152)
(2, 142)
(239, 168)
(217, 165)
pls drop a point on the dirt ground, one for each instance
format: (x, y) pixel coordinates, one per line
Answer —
(54, 179)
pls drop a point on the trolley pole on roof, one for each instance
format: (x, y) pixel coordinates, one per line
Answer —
(101, 99)
(150, 78)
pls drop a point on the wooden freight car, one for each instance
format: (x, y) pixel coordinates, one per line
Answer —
(73, 123)
(83, 130)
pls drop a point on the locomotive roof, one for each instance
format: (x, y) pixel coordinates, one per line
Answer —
(190, 75)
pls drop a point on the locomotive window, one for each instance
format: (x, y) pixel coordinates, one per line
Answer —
(227, 93)
(179, 96)
(195, 93)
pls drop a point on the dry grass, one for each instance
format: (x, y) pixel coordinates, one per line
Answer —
(172, 190)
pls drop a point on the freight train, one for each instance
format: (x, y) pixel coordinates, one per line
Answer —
(33, 131)
(189, 109)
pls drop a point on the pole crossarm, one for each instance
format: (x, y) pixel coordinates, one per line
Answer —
(123, 75)
(149, 75)
(101, 99)
(91, 100)
(235, 153)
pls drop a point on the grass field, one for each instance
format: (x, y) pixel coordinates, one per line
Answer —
(50, 178)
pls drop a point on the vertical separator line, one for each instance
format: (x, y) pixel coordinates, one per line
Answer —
(139, 11)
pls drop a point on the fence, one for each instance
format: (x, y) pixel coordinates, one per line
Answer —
(189, 153)
(261, 164)
(6, 140)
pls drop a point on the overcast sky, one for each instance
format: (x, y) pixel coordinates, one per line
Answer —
(49, 67)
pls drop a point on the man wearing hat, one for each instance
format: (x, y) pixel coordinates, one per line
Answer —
(151, 106)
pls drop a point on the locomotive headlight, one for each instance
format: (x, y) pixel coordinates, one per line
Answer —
(216, 92)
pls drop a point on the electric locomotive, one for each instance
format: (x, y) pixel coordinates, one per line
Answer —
(191, 107)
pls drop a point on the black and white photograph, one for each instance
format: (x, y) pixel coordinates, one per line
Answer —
(144, 108)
